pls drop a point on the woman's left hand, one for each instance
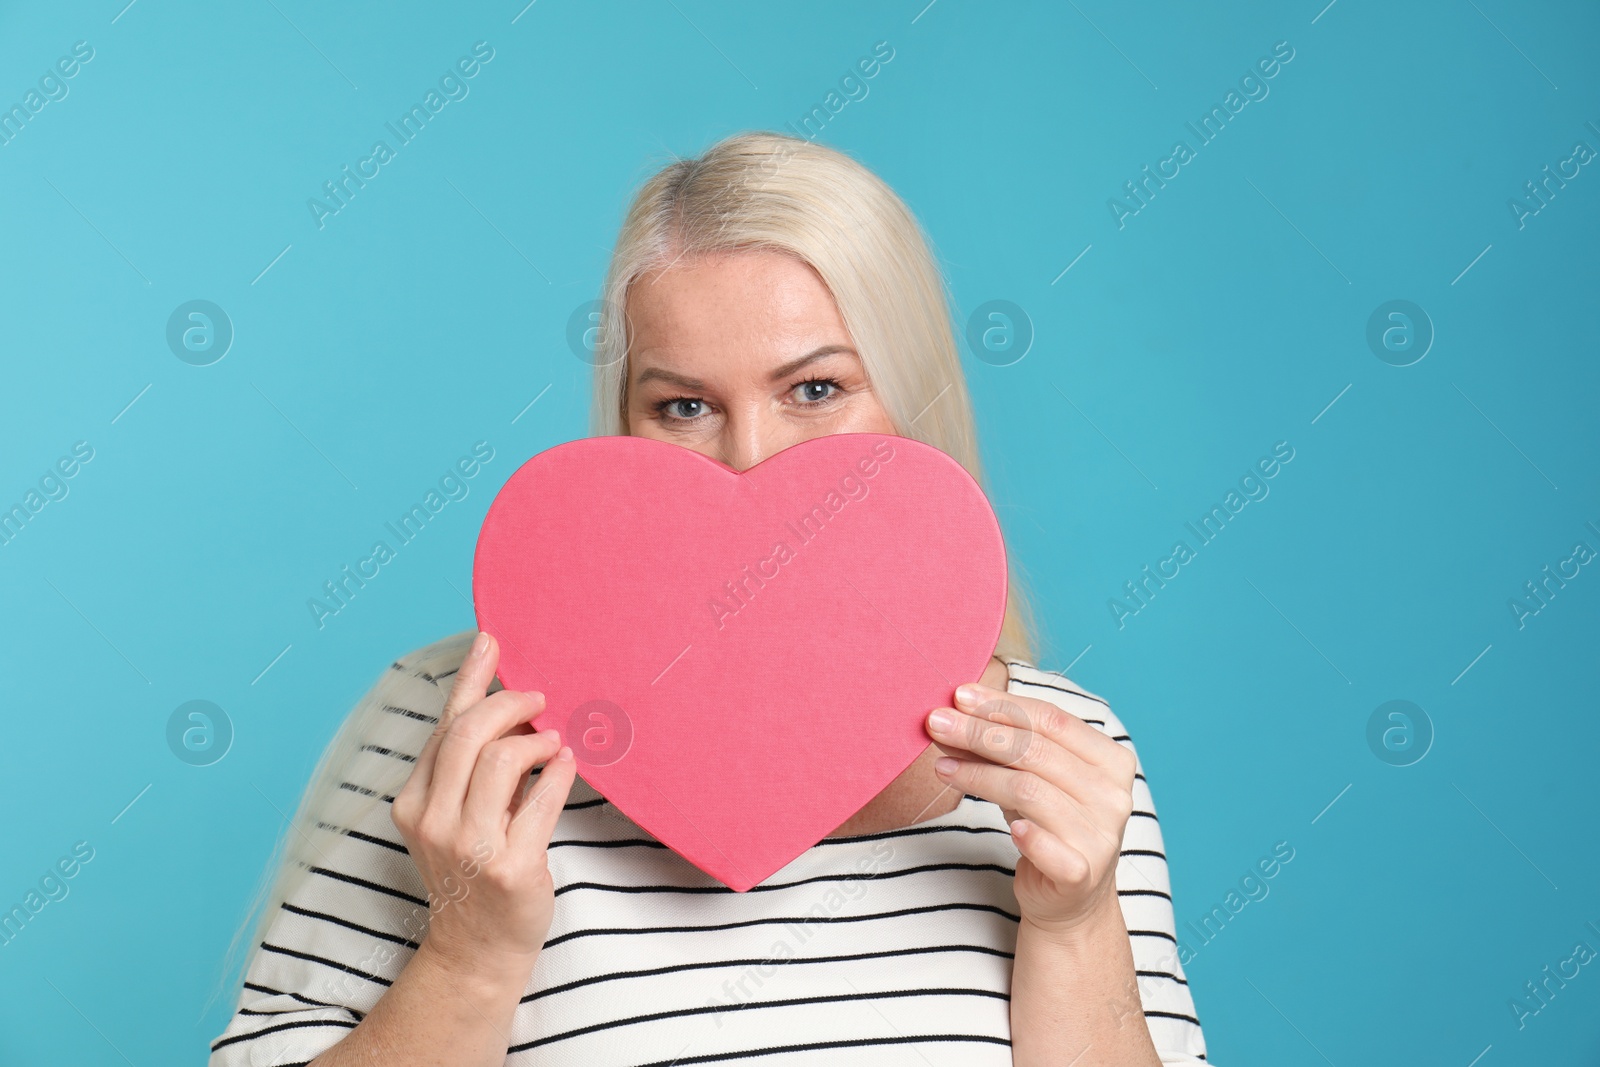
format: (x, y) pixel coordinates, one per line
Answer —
(1066, 790)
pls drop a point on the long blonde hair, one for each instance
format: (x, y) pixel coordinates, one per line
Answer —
(750, 190)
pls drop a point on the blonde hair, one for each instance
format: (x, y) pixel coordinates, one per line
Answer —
(751, 190)
(782, 193)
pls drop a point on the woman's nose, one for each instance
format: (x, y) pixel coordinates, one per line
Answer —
(741, 455)
(746, 443)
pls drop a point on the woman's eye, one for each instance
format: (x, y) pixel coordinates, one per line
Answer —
(684, 408)
(816, 390)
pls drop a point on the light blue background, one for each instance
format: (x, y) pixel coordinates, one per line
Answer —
(1222, 318)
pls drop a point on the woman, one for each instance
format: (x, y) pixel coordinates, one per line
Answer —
(1004, 900)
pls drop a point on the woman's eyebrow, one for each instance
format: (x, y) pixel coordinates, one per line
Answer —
(795, 364)
(685, 382)
(680, 380)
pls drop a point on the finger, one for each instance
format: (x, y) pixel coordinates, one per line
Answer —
(1069, 731)
(1060, 862)
(1091, 828)
(497, 777)
(531, 785)
(472, 681)
(1023, 791)
(1000, 733)
(541, 805)
(488, 720)
(1005, 743)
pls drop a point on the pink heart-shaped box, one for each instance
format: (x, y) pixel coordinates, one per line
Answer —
(740, 661)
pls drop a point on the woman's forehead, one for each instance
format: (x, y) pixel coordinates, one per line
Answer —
(752, 311)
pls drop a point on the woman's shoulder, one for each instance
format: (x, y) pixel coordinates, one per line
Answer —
(437, 663)
(415, 698)
(404, 703)
(421, 679)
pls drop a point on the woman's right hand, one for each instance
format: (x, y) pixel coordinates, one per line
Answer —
(478, 828)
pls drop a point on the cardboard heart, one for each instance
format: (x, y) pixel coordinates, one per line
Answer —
(740, 661)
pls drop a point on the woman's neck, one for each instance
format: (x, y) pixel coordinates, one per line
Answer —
(916, 794)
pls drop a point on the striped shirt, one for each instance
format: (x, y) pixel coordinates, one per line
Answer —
(890, 948)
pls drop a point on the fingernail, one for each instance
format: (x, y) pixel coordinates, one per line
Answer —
(480, 644)
(945, 765)
(565, 753)
(969, 695)
(942, 721)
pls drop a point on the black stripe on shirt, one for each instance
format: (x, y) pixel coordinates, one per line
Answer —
(364, 791)
(755, 1005)
(675, 968)
(269, 991)
(408, 713)
(363, 883)
(573, 935)
(1057, 688)
(357, 927)
(267, 946)
(380, 750)
(297, 1024)
(764, 887)
(815, 1046)
(1162, 974)
(909, 831)
(621, 842)
(359, 836)
(915, 831)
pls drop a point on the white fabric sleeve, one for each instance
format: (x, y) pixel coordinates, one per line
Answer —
(355, 906)
(1143, 888)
